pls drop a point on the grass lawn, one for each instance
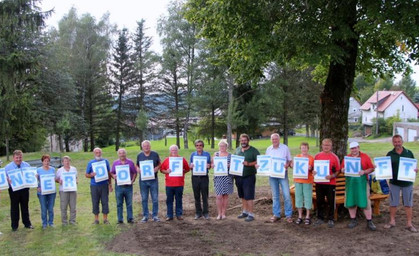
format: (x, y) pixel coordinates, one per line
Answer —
(87, 239)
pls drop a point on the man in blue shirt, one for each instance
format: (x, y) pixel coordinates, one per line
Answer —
(18, 198)
(200, 183)
(99, 190)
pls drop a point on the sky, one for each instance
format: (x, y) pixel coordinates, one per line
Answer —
(125, 13)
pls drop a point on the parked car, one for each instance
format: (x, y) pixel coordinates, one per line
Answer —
(291, 132)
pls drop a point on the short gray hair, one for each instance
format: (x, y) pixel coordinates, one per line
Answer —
(174, 146)
(144, 142)
(66, 157)
(123, 150)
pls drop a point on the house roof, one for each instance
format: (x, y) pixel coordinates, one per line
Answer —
(385, 98)
(417, 105)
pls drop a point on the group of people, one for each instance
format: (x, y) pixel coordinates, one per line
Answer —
(357, 188)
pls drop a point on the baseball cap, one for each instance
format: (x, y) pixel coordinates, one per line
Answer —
(353, 144)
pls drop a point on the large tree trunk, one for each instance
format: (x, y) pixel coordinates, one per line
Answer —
(338, 87)
(118, 119)
(212, 125)
(230, 115)
(7, 149)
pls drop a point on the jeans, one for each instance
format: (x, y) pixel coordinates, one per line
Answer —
(200, 188)
(171, 194)
(152, 187)
(47, 209)
(276, 203)
(121, 193)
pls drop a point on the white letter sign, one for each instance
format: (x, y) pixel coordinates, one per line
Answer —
(322, 170)
(16, 178)
(265, 165)
(220, 166)
(147, 170)
(352, 166)
(236, 165)
(383, 169)
(101, 171)
(406, 169)
(29, 177)
(199, 165)
(69, 180)
(3, 179)
(300, 170)
(122, 175)
(47, 184)
(278, 167)
(176, 165)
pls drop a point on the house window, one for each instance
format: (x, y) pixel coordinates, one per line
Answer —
(402, 108)
(366, 119)
(356, 119)
(354, 109)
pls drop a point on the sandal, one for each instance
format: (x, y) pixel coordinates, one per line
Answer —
(412, 229)
(389, 225)
(307, 221)
(274, 219)
(289, 219)
(299, 221)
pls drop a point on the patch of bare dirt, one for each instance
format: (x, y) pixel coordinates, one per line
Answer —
(237, 237)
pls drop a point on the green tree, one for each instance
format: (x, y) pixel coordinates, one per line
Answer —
(145, 64)
(122, 79)
(342, 36)
(408, 85)
(21, 23)
(86, 44)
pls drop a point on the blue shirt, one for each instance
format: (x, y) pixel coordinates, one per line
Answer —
(204, 153)
(40, 171)
(89, 170)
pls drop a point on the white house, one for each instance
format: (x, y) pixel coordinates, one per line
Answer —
(390, 103)
(354, 112)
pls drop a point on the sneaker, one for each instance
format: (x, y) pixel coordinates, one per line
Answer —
(156, 219)
(206, 216)
(14, 229)
(44, 227)
(331, 224)
(249, 218)
(371, 226)
(353, 223)
(52, 226)
(144, 219)
(319, 222)
(131, 221)
(197, 217)
(169, 218)
(120, 222)
(95, 222)
(179, 217)
(243, 215)
(106, 222)
(30, 227)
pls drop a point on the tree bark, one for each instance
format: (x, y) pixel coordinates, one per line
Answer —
(230, 115)
(212, 125)
(339, 82)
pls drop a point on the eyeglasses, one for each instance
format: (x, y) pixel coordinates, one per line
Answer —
(199, 145)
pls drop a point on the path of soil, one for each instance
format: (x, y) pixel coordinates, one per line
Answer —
(237, 237)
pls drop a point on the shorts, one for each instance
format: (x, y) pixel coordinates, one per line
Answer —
(303, 195)
(246, 187)
(407, 195)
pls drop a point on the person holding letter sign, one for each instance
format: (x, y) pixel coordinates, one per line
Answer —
(174, 184)
(99, 191)
(399, 186)
(357, 191)
(200, 180)
(47, 200)
(304, 187)
(282, 151)
(149, 186)
(223, 185)
(246, 183)
(326, 189)
(124, 191)
(18, 198)
(68, 199)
